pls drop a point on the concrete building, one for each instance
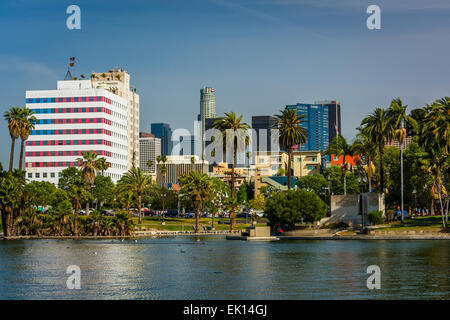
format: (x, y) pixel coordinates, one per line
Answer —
(118, 82)
(149, 149)
(75, 118)
(177, 166)
(163, 132)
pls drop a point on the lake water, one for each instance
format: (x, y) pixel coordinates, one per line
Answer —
(180, 268)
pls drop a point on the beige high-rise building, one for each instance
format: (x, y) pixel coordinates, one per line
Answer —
(118, 82)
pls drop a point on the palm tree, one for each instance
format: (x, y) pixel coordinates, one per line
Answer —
(340, 147)
(399, 118)
(149, 165)
(27, 125)
(102, 165)
(367, 151)
(88, 170)
(290, 133)
(435, 138)
(78, 194)
(233, 123)
(379, 129)
(13, 116)
(136, 181)
(196, 186)
(192, 163)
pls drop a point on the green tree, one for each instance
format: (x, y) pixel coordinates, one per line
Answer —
(339, 147)
(291, 206)
(88, 170)
(103, 190)
(379, 129)
(233, 128)
(316, 183)
(78, 195)
(197, 187)
(136, 181)
(14, 118)
(257, 204)
(27, 121)
(291, 134)
(68, 177)
(102, 165)
(399, 118)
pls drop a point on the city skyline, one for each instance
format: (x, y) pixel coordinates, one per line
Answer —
(260, 57)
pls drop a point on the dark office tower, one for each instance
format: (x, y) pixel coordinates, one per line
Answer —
(334, 117)
(163, 131)
(263, 137)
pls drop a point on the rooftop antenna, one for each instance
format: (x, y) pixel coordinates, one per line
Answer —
(71, 64)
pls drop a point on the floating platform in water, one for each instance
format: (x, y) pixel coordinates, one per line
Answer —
(248, 238)
(254, 233)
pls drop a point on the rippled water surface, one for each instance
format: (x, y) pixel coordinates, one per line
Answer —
(180, 268)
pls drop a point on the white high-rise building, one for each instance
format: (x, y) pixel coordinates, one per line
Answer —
(75, 118)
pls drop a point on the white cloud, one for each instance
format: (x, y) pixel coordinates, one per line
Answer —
(21, 65)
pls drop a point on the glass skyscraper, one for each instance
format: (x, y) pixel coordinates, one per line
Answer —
(316, 122)
(163, 131)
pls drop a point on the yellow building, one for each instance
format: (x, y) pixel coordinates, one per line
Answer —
(306, 163)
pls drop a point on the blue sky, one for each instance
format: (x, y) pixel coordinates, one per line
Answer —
(259, 54)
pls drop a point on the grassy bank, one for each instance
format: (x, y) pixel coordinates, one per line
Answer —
(418, 223)
(180, 224)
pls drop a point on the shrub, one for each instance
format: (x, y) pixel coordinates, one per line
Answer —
(375, 217)
(288, 207)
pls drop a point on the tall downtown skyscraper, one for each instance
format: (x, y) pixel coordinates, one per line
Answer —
(163, 132)
(75, 118)
(207, 110)
(118, 82)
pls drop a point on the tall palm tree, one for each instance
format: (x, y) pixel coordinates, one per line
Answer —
(13, 116)
(136, 181)
(88, 170)
(400, 120)
(233, 123)
(340, 147)
(291, 134)
(379, 129)
(27, 125)
(196, 186)
(435, 138)
(102, 165)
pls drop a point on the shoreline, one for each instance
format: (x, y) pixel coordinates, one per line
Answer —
(138, 235)
(175, 233)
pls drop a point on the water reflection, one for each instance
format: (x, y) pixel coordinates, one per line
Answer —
(181, 268)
